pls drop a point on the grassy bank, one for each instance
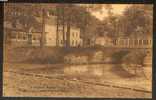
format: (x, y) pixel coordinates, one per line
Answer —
(56, 55)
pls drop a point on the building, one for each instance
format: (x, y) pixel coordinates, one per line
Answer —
(18, 35)
(75, 40)
(103, 41)
(57, 35)
(34, 37)
(51, 31)
(20, 29)
(54, 34)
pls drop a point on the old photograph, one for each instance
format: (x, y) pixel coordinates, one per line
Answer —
(77, 50)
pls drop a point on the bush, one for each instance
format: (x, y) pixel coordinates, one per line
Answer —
(134, 57)
(118, 56)
(133, 62)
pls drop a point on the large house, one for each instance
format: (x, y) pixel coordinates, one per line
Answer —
(17, 35)
(32, 36)
(75, 39)
(51, 31)
(56, 36)
(104, 41)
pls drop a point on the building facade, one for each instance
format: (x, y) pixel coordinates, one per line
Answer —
(103, 41)
(54, 35)
(75, 40)
(57, 35)
(19, 36)
(50, 30)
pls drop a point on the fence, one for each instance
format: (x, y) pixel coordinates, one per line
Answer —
(132, 43)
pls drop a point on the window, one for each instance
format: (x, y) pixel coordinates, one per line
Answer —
(76, 34)
(114, 42)
(73, 34)
(13, 36)
(34, 38)
(150, 41)
(130, 42)
(76, 42)
(38, 37)
(51, 13)
(61, 41)
(136, 42)
(19, 36)
(147, 42)
(121, 42)
(24, 37)
(140, 42)
(73, 42)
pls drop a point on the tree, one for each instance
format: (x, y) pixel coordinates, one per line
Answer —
(133, 62)
(109, 9)
(73, 15)
(138, 16)
(20, 14)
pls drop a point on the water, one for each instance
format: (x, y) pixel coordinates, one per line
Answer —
(101, 73)
(94, 70)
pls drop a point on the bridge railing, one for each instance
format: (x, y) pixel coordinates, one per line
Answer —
(132, 43)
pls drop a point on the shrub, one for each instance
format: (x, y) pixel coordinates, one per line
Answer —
(117, 56)
(134, 57)
(133, 61)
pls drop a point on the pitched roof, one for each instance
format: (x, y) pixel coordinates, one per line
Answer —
(9, 26)
(37, 26)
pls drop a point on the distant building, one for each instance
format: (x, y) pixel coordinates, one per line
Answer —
(57, 37)
(75, 39)
(54, 35)
(103, 41)
(17, 35)
(50, 29)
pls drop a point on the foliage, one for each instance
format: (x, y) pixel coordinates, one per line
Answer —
(135, 21)
(118, 56)
(135, 57)
(133, 62)
(138, 20)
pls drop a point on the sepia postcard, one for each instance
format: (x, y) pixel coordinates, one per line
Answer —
(77, 50)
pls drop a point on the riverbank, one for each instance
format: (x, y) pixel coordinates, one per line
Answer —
(95, 76)
(54, 55)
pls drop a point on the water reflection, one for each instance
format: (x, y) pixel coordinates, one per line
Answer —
(95, 69)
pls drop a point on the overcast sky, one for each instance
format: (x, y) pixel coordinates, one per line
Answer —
(117, 9)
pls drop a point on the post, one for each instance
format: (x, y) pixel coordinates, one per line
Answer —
(43, 29)
(57, 22)
(63, 23)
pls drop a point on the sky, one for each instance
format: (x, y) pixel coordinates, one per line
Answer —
(117, 9)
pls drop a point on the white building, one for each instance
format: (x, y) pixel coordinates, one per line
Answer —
(75, 39)
(32, 36)
(52, 33)
(103, 41)
(18, 35)
(50, 30)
